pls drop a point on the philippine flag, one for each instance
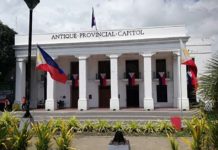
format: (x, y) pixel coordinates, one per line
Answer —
(186, 59)
(44, 62)
(93, 22)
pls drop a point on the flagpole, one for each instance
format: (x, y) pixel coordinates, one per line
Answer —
(181, 110)
(96, 28)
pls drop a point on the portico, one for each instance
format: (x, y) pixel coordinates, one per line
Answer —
(143, 53)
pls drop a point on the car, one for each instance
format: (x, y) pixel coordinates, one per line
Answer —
(5, 103)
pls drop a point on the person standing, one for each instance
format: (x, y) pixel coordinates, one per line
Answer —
(23, 101)
(7, 103)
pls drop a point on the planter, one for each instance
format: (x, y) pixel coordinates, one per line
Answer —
(116, 146)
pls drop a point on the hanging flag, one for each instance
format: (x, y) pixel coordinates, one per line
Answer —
(162, 78)
(75, 80)
(103, 79)
(188, 61)
(93, 23)
(192, 79)
(131, 78)
(189, 77)
(44, 62)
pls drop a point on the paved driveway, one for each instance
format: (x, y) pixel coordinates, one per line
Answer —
(136, 143)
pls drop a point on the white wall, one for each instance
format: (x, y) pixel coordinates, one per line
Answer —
(200, 49)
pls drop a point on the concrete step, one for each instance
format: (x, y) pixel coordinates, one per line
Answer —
(42, 115)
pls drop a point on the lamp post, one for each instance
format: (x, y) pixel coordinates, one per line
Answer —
(31, 4)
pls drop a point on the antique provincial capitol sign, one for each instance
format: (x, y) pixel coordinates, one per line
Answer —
(97, 34)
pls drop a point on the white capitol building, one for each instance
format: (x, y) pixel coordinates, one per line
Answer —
(145, 52)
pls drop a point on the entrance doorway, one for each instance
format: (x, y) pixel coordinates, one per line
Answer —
(75, 84)
(74, 96)
(104, 96)
(162, 93)
(132, 94)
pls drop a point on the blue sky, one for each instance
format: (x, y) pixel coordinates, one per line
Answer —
(199, 16)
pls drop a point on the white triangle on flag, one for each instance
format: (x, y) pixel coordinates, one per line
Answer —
(131, 74)
(75, 76)
(189, 73)
(185, 56)
(103, 75)
(39, 58)
(161, 74)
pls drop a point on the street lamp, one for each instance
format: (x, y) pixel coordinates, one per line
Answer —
(31, 4)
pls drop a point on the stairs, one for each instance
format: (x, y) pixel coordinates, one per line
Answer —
(121, 115)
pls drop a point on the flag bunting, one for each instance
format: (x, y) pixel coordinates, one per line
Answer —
(75, 80)
(103, 79)
(131, 78)
(162, 78)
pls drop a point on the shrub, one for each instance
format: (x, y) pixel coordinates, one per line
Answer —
(197, 128)
(133, 128)
(118, 126)
(208, 82)
(165, 127)
(3, 135)
(212, 136)
(20, 138)
(102, 126)
(44, 133)
(74, 124)
(9, 119)
(8, 123)
(64, 139)
(57, 123)
(173, 143)
(149, 127)
(88, 126)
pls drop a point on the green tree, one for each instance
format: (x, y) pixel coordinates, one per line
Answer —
(208, 88)
(7, 57)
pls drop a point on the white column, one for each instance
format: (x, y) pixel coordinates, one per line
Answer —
(51, 102)
(114, 101)
(175, 79)
(20, 89)
(183, 101)
(82, 102)
(148, 99)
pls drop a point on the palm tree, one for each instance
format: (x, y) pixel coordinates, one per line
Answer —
(208, 82)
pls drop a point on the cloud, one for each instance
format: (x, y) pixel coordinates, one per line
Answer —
(199, 16)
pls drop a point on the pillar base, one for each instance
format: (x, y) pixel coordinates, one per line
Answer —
(114, 104)
(50, 105)
(82, 104)
(185, 103)
(148, 104)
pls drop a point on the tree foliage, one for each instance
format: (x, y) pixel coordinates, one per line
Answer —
(7, 57)
(208, 88)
